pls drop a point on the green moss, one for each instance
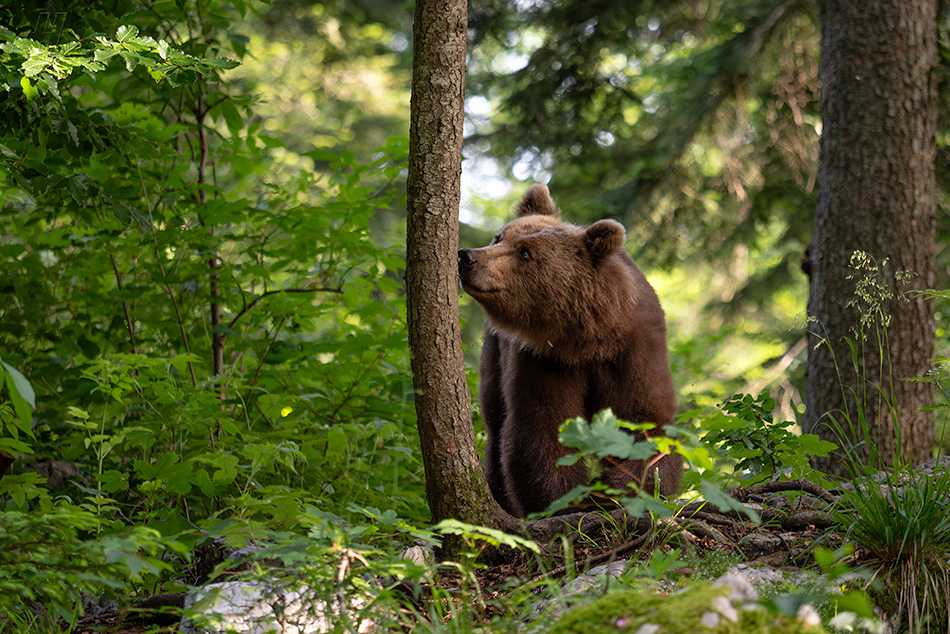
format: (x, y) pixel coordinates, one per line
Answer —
(676, 614)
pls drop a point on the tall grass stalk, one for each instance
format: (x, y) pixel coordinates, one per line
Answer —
(872, 391)
(899, 516)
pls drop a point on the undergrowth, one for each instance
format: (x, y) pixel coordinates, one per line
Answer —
(894, 513)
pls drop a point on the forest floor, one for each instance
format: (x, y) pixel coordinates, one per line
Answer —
(794, 518)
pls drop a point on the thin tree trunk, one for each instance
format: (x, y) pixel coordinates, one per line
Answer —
(876, 195)
(455, 482)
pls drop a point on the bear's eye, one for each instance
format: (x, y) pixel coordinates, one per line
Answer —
(496, 239)
(524, 253)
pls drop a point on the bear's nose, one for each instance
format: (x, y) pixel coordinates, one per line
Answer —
(466, 258)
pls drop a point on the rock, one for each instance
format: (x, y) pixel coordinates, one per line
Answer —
(591, 580)
(614, 569)
(581, 585)
(808, 615)
(583, 588)
(419, 555)
(57, 472)
(257, 607)
(850, 622)
(935, 466)
(758, 577)
(709, 619)
(724, 606)
(584, 584)
(740, 588)
(758, 544)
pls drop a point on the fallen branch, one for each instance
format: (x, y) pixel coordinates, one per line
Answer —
(742, 493)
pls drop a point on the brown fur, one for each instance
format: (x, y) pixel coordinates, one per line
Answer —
(572, 327)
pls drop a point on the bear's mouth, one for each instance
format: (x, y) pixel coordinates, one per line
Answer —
(471, 289)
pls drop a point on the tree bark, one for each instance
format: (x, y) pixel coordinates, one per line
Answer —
(455, 482)
(876, 195)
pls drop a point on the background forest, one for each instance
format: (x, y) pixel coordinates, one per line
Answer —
(202, 241)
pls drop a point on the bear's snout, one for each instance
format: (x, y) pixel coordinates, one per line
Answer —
(467, 260)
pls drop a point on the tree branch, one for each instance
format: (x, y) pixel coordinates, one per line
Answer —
(302, 289)
(125, 304)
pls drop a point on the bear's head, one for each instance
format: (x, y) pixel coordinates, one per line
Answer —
(562, 290)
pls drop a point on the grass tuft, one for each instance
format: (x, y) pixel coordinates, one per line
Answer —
(903, 523)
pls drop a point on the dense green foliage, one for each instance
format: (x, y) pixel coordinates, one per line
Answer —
(762, 447)
(217, 345)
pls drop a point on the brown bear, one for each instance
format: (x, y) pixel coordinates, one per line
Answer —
(572, 327)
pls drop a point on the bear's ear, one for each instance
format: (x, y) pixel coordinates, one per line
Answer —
(536, 202)
(603, 238)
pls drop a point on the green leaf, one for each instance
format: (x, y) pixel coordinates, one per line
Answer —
(104, 55)
(20, 384)
(36, 63)
(227, 468)
(203, 480)
(813, 445)
(113, 481)
(855, 601)
(605, 437)
(233, 118)
(125, 33)
(222, 62)
(320, 156)
(37, 151)
(337, 442)
(488, 535)
(181, 362)
(77, 412)
(29, 90)
(14, 447)
(718, 498)
(644, 505)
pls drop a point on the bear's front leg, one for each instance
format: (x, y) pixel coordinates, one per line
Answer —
(539, 397)
(661, 475)
(492, 404)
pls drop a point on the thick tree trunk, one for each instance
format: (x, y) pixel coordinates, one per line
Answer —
(455, 482)
(876, 195)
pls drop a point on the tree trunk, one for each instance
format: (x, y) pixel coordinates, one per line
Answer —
(455, 482)
(876, 195)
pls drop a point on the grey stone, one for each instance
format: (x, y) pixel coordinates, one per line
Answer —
(724, 606)
(758, 576)
(257, 607)
(739, 585)
(710, 619)
(808, 615)
(419, 555)
(758, 544)
(614, 569)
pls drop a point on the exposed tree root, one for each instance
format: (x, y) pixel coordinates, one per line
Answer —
(743, 493)
(696, 521)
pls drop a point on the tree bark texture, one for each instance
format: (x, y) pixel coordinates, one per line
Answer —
(455, 482)
(876, 195)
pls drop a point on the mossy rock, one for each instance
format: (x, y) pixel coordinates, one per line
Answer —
(680, 613)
